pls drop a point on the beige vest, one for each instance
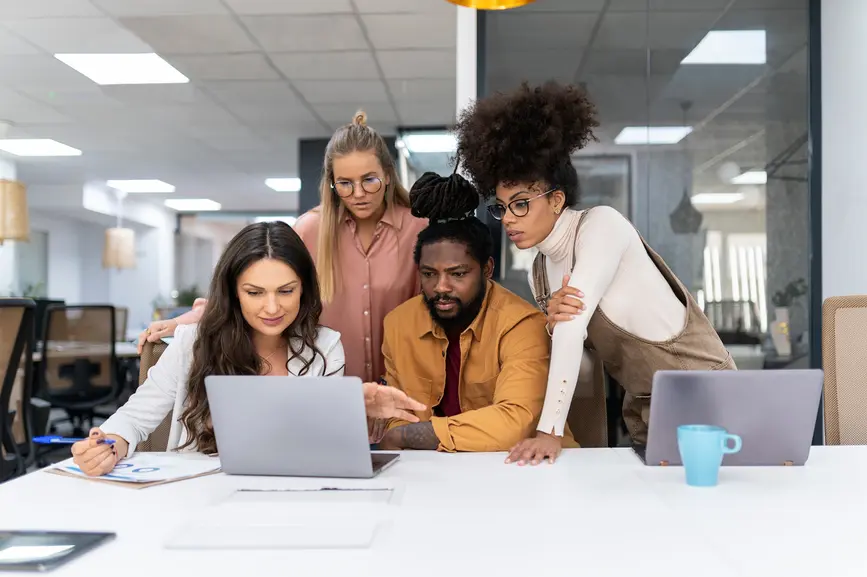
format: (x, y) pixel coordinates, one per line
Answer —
(632, 361)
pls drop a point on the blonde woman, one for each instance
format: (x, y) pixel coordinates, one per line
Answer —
(362, 237)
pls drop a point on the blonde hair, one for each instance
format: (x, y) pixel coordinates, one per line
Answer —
(356, 136)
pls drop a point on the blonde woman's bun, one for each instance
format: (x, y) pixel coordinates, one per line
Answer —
(360, 118)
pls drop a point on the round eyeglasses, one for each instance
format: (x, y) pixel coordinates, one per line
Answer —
(346, 188)
(519, 208)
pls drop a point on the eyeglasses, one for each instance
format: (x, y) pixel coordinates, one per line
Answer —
(519, 208)
(346, 188)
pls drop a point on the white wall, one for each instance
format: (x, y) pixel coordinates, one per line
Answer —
(844, 122)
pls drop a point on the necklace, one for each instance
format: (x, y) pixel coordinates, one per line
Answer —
(271, 355)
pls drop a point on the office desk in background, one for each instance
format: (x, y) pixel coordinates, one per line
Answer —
(596, 512)
(123, 350)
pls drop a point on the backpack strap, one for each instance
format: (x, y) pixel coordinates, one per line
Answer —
(540, 282)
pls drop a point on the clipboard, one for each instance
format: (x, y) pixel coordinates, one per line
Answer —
(144, 485)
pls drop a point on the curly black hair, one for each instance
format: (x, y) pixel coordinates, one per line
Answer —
(449, 203)
(527, 135)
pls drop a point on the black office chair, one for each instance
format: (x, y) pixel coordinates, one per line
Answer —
(78, 371)
(16, 376)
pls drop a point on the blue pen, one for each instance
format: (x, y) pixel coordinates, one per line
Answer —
(58, 440)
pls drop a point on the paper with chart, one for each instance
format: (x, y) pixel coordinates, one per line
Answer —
(150, 468)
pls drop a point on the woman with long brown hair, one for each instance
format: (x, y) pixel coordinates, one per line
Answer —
(262, 319)
(362, 237)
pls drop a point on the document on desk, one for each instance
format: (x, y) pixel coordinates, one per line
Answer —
(324, 518)
(146, 470)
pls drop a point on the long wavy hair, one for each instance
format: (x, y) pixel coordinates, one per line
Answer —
(224, 343)
(356, 136)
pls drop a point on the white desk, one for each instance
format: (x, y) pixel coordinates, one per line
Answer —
(598, 513)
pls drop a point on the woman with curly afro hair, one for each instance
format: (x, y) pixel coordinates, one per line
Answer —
(600, 285)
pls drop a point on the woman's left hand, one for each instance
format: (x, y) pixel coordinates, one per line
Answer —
(536, 449)
(383, 402)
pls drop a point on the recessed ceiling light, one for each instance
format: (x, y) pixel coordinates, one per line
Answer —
(706, 198)
(290, 220)
(108, 69)
(751, 177)
(284, 184)
(133, 186)
(37, 147)
(652, 134)
(430, 142)
(192, 204)
(729, 47)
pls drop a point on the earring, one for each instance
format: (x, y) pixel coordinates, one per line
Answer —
(557, 210)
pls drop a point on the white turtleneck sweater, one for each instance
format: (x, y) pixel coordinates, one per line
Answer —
(615, 273)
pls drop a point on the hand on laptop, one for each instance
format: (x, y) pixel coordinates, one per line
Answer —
(383, 402)
(535, 450)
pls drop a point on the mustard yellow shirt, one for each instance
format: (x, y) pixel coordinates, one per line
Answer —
(504, 370)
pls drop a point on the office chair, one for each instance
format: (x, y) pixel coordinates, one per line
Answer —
(158, 440)
(16, 362)
(844, 349)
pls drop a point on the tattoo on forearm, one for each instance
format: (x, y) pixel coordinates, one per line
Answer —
(419, 436)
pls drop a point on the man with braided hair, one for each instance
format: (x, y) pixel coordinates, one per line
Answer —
(469, 349)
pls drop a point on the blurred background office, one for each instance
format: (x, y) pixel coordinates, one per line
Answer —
(137, 136)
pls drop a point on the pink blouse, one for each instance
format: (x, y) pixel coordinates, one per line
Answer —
(369, 285)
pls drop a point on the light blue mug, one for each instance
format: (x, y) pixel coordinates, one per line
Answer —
(702, 448)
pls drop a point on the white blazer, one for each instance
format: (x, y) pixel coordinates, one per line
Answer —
(166, 387)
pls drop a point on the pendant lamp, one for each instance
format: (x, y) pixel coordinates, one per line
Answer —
(119, 249)
(491, 4)
(14, 222)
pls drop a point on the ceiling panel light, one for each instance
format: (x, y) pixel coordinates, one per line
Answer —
(192, 204)
(430, 142)
(284, 184)
(729, 47)
(706, 198)
(136, 186)
(106, 69)
(37, 147)
(751, 177)
(652, 134)
(290, 220)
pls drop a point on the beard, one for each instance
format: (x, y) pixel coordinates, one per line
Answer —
(463, 314)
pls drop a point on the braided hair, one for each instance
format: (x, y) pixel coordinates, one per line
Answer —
(449, 204)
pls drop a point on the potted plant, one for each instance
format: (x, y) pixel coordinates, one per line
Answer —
(784, 298)
(187, 297)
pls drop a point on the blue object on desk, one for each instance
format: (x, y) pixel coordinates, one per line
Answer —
(58, 440)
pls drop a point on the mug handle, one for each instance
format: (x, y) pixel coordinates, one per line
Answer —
(725, 444)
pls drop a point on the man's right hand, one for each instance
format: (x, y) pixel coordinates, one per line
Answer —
(160, 329)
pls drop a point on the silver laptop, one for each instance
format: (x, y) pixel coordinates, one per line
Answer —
(292, 426)
(774, 412)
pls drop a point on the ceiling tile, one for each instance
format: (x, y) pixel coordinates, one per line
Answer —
(77, 35)
(393, 31)
(444, 90)
(306, 33)
(417, 63)
(224, 67)
(660, 5)
(41, 72)
(327, 65)
(14, 9)
(151, 94)
(543, 30)
(191, 34)
(268, 92)
(662, 30)
(566, 6)
(259, 7)
(128, 8)
(337, 91)
(430, 113)
(340, 114)
(12, 45)
(398, 6)
(508, 68)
